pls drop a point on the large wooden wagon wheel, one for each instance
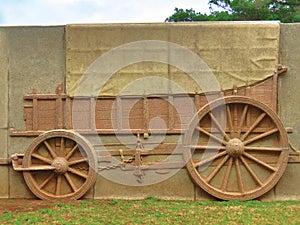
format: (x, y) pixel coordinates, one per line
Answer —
(236, 148)
(59, 164)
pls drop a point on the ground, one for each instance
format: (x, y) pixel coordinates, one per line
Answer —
(26, 205)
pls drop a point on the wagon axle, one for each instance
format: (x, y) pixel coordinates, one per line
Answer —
(235, 147)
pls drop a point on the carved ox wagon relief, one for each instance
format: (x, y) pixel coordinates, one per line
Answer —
(248, 161)
(233, 146)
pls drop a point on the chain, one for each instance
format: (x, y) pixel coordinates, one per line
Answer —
(123, 161)
(119, 165)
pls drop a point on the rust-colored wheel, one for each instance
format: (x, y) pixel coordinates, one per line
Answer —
(59, 165)
(236, 148)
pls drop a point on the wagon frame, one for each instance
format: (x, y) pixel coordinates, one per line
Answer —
(73, 159)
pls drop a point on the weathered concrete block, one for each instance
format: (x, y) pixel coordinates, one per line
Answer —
(201, 195)
(178, 186)
(289, 107)
(36, 60)
(288, 89)
(3, 80)
(4, 184)
(269, 196)
(288, 186)
(17, 186)
(3, 112)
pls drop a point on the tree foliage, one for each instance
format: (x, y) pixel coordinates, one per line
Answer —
(239, 10)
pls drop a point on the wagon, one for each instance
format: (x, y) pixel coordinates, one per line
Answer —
(233, 144)
(241, 160)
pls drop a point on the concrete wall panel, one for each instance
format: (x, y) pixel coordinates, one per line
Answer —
(36, 60)
(3, 110)
(288, 89)
(289, 106)
(178, 186)
(288, 188)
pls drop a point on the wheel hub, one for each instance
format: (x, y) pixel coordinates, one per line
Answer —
(61, 165)
(235, 147)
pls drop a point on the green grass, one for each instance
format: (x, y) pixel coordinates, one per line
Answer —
(153, 211)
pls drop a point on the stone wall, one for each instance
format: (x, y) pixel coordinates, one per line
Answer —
(289, 105)
(31, 57)
(34, 57)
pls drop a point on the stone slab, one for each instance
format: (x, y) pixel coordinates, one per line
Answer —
(36, 61)
(3, 79)
(17, 186)
(177, 187)
(221, 45)
(289, 106)
(288, 187)
(4, 183)
(288, 89)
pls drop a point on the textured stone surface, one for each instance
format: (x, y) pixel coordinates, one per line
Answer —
(4, 184)
(289, 186)
(221, 45)
(3, 112)
(34, 57)
(289, 106)
(288, 90)
(36, 60)
(178, 186)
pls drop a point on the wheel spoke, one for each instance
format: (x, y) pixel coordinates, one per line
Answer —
(207, 147)
(216, 170)
(74, 171)
(77, 161)
(42, 158)
(260, 162)
(235, 118)
(271, 149)
(50, 149)
(239, 175)
(245, 110)
(70, 181)
(58, 185)
(220, 128)
(41, 186)
(256, 179)
(212, 136)
(71, 152)
(257, 121)
(207, 160)
(260, 136)
(230, 120)
(62, 146)
(226, 177)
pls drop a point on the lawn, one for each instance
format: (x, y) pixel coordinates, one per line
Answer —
(149, 211)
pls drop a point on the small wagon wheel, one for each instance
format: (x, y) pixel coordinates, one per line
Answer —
(236, 148)
(59, 164)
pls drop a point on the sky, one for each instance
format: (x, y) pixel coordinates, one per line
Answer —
(60, 12)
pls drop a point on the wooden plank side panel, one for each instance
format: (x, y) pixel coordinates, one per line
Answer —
(183, 110)
(132, 113)
(158, 109)
(28, 111)
(105, 113)
(46, 114)
(80, 114)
